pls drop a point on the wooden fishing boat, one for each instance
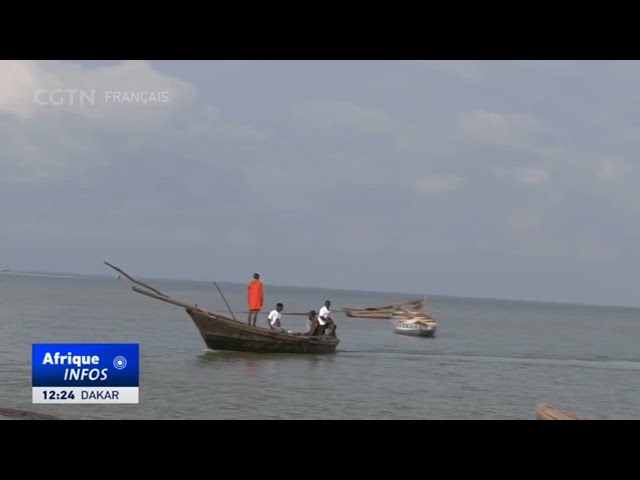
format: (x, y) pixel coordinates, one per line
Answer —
(417, 323)
(13, 414)
(369, 312)
(384, 312)
(220, 332)
(545, 411)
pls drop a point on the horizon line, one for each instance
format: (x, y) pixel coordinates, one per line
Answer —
(503, 299)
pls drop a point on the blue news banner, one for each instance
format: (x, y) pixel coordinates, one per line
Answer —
(85, 372)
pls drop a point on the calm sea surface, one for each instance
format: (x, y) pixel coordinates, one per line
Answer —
(491, 359)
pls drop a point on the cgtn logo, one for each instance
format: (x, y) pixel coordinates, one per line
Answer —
(85, 373)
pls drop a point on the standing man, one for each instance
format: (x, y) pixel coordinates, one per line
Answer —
(255, 298)
(325, 320)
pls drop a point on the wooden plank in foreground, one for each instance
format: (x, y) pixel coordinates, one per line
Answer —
(11, 414)
(545, 411)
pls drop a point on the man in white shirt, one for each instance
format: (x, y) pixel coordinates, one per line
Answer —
(274, 318)
(325, 320)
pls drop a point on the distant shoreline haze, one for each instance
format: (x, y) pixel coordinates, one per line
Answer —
(72, 275)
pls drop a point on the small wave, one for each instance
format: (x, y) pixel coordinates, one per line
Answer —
(597, 362)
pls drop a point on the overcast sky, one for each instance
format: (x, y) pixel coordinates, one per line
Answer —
(489, 179)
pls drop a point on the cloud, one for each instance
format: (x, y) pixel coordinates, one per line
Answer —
(592, 248)
(59, 120)
(17, 86)
(440, 183)
(336, 115)
(503, 130)
(362, 241)
(336, 167)
(614, 169)
(124, 94)
(531, 176)
(522, 223)
(471, 70)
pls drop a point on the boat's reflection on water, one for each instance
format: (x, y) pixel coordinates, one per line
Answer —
(258, 363)
(255, 367)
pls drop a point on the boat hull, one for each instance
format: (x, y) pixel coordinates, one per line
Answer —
(368, 314)
(221, 333)
(383, 312)
(417, 324)
(549, 412)
(414, 330)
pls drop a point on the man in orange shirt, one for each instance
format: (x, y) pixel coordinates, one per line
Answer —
(255, 298)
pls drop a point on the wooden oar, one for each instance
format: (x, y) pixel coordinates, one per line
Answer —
(166, 298)
(225, 301)
(298, 314)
